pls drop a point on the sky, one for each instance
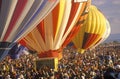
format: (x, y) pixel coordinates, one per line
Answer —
(111, 10)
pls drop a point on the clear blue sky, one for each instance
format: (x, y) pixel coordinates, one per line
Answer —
(111, 9)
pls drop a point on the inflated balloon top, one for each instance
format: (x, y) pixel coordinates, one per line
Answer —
(58, 28)
(92, 30)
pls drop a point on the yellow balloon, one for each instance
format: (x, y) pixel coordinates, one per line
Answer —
(92, 30)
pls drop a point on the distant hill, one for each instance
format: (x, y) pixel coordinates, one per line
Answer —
(113, 37)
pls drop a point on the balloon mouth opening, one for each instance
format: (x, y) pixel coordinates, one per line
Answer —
(51, 54)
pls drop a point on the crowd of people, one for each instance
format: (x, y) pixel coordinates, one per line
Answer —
(103, 62)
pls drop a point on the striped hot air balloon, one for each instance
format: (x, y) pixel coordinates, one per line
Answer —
(92, 30)
(17, 17)
(57, 29)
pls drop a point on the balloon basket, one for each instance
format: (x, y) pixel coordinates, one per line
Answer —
(51, 63)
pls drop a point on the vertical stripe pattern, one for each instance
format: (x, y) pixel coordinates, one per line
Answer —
(59, 26)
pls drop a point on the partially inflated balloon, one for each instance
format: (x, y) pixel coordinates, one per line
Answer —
(57, 29)
(92, 30)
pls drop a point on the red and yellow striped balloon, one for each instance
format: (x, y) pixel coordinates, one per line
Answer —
(57, 29)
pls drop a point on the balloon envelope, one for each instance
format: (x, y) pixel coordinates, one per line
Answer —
(57, 29)
(92, 30)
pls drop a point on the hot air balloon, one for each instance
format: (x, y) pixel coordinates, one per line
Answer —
(92, 30)
(57, 29)
(17, 17)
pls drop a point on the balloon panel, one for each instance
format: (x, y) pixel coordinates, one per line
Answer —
(34, 20)
(79, 23)
(18, 16)
(89, 39)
